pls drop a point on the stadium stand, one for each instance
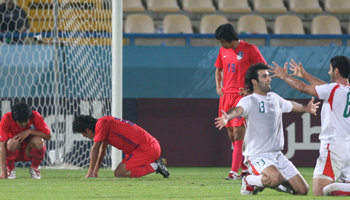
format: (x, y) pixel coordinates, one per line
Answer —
(337, 6)
(209, 23)
(308, 6)
(325, 24)
(163, 5)
(252, 24)
(198, 6)
(132, 6)
(139, 23)
(269, 6)
(288, 24)
(177, 23)
(234, 6)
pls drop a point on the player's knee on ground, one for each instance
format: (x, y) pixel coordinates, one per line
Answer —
(301, 189)
(12, 145)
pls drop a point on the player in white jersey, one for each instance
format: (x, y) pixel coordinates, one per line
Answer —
(264, 138)
(332, 171)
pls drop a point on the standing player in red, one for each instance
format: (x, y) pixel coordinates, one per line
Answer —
(142, 149)
(22, 135)
(234, 59)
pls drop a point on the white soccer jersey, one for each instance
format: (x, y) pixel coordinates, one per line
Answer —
(335, 114)
(264, 122)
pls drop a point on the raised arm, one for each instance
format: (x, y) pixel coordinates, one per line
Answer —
(220, 122)
(299, 71)
(311, 107)
(94, 153)
(282, 73)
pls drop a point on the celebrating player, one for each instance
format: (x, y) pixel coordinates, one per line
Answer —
(234, 59)
(22, 135)
(332, 171)
(142, 149)
(264, 138)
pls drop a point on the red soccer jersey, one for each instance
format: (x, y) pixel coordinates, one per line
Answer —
(121, 134)
(9, 128)
(235, 63)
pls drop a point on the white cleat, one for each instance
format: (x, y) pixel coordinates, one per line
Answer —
(11, 174)
(34, 173)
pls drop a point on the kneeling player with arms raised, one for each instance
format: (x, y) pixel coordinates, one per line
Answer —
(264, 139)
(142, 149)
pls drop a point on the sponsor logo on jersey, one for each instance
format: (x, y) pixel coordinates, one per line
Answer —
(240, 55)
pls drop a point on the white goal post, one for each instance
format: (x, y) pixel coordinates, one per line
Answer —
(67, 62)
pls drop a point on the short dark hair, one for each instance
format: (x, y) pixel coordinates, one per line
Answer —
(252, 73)
(343, 65)
(21, 112)
(82, 122)
(226, 32)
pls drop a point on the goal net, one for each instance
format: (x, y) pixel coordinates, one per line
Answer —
(60, 64)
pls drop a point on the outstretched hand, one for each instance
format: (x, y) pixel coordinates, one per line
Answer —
(278, 71)
(298, 70)
(312, 107)
(221, 122)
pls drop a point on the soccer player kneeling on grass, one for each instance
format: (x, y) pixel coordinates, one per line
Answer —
(22, 135)
(262, 109)
(141, 148)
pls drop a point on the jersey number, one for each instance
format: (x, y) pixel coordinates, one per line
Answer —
(261, 107)
(347, 107)
(231, 67)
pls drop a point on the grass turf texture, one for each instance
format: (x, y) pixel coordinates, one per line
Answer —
(184, 183)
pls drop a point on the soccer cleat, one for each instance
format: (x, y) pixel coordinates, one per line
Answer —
(233, 176)
(11, 174)
(162, 168)
(245, 188)
(34, 173)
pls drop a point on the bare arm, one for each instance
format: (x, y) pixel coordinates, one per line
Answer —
(220, 122)
(100, 158)
(311, 107)
(94, 152)
(299, 71)
(282, 73)
(24, 134)
(218, 81)
(3, 174)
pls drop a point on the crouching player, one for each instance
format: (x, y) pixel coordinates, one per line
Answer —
(22, 135)
(263, 109)
(142, 149)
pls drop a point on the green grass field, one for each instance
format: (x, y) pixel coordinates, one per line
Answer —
(184, 183)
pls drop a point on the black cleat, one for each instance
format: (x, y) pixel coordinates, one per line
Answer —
(161, 162)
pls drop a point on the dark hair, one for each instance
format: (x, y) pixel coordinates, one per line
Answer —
(252, 73)
(21, 112)
(343, 65)
(226, 32)
(82, 122)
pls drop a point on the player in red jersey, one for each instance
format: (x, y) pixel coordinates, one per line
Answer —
(22, 135)
(142, 150)
(234, 59)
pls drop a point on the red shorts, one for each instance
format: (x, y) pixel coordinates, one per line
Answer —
(143, 155)
(22, 154)
(228, 101)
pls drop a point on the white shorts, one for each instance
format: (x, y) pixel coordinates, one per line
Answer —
(333, 162)
(256, 164)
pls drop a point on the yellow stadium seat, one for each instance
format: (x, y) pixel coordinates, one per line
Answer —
(305, 6)
(163, 5)
(337, 6)
(132, 6)
(269, 6)
(325, 24)
(198, 5)
(252, 24)
(139, 23)
(209, 23)
(177, 23)
(235, 6)
(288, 24)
